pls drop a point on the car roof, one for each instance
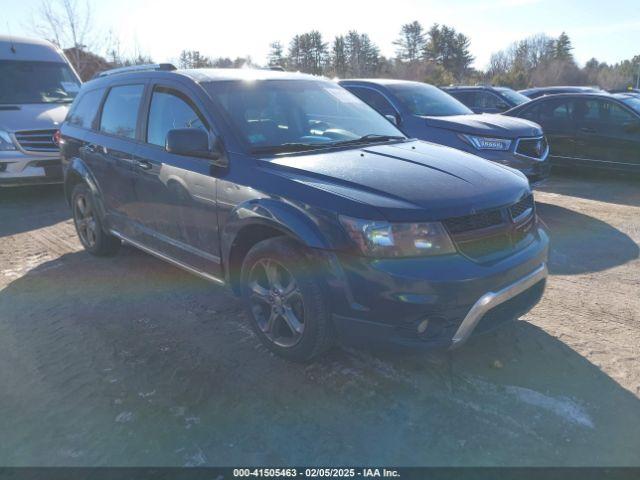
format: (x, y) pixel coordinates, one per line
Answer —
(380, 81)
(624, 95)
(560, 96)
(219, 74)
(29, 49)
(576, 95)
(200, 75)
(24, 40)
(471, 87)
(561, 87)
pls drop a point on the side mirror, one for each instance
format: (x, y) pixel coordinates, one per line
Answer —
(502, 106)
(393, 119)
(193, 142)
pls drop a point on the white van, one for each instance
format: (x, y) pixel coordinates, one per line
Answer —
(37, 85)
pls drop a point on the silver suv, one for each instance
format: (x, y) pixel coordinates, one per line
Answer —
(37, 85)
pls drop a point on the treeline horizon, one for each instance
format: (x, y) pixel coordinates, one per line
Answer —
(438, 55)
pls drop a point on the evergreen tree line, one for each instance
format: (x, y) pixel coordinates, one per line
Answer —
(441, 55)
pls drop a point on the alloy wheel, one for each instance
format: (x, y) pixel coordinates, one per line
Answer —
(276, 302)
(85, 220)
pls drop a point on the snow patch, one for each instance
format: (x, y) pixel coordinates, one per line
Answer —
(562, 406)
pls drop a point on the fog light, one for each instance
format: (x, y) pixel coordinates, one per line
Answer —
(422, 326)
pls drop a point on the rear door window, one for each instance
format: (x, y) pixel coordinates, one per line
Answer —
(120, 110)
(84, 111)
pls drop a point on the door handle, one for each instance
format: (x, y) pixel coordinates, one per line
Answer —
(143, 164)
(588, 130)
(92, 148)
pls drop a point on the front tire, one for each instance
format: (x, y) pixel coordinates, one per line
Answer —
(88, 224)
(285, 300)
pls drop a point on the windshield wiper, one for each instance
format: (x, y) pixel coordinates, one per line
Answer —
(370, 138)
(302, 147)
(290, 147)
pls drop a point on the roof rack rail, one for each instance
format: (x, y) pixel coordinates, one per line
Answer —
(167, 67)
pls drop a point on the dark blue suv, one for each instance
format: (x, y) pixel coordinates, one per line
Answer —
(308, 204)
(428, 113)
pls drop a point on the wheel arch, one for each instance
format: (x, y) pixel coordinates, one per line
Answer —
(78, 172)
(255, 221)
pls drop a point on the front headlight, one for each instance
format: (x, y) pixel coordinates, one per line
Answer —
(487, 143)
(383, 239)
(5, 141)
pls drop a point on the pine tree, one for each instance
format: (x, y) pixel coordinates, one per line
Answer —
(411, 42)
(339, 57)
(449, 49)
(276, 55)
(563, 47)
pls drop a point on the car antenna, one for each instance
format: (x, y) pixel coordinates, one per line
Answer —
(13, 46)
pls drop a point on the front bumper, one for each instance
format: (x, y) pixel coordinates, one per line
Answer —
(389, 301)
(17, 168)
(536, 170)
(491, 300)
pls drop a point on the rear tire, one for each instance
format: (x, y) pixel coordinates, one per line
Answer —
(285, 300)
(88, 224)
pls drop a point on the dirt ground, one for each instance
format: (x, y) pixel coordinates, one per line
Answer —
(130, 361)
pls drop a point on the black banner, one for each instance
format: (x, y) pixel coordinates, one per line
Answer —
(404, 473)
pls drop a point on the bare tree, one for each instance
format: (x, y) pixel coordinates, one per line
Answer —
(70, 26)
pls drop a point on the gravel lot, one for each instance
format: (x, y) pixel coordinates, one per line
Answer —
(130, 361)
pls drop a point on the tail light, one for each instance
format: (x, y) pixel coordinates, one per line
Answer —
(57, 138)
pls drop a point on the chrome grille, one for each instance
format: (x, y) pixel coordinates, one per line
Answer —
(532, 147)
(37, 140)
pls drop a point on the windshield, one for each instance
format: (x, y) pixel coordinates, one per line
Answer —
(427, 100)
(36, 82)
(513, 96)
(297, 113)
(632, 102)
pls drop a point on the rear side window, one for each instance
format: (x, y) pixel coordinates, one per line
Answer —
(374, 99)
(468, 98)
(120, 111)
(170, 109)
(489, 100)
(604, 112)
(84, 110)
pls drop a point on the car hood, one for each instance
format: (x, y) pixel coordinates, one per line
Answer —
(487, 124)
(408, 181)
(38, 116)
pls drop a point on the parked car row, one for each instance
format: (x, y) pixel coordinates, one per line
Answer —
(426, 112)
(585, 127)
(314, 201)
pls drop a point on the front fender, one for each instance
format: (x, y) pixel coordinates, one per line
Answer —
(277, 214)
(314, 228)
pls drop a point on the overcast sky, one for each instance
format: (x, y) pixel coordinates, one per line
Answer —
(609, 31)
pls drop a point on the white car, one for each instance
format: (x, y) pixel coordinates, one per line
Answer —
(37, 85)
